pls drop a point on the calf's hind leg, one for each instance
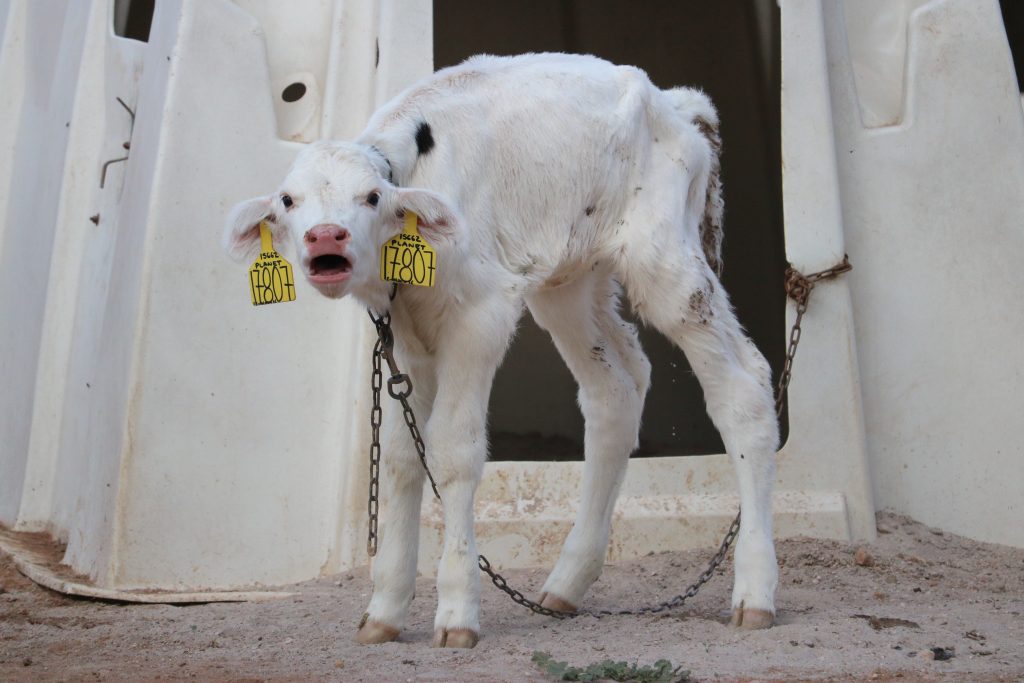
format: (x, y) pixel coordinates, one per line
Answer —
(604, 355)
(688, 305)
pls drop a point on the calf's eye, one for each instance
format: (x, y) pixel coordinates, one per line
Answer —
(287, 201)
(373, 198)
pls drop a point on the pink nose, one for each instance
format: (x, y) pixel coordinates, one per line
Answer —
(326, 232)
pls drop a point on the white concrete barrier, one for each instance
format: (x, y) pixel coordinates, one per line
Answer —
(933, 202)
(180, 437)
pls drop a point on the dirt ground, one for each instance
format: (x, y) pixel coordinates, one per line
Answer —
(838, 621)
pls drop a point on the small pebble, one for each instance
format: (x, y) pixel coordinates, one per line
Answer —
(939, 654)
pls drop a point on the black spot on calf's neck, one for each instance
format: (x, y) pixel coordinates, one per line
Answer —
(424, 138)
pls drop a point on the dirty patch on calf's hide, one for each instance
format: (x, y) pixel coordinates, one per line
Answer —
(711, 233)
(528, 268)
(700, 304)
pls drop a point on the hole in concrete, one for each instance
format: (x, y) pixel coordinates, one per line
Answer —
(294, 92)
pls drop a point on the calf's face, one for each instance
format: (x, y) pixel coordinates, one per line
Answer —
(336, 208)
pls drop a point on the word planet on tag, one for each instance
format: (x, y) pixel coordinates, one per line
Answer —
(407, 258)
(271, 280)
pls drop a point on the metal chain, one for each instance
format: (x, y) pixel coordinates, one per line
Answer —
(375, 419)
(399, 388)
(798, 287)
(705, 576)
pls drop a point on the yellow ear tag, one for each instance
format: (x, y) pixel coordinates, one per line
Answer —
(270, 277)
(407, 258)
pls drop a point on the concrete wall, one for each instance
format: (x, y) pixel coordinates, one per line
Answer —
(930, 137)
(40, 55)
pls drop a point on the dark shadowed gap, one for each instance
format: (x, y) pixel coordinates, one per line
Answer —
(133, 18)
(731, 50)
(1013, 20)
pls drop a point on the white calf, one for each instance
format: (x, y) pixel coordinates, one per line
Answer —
(544, 181)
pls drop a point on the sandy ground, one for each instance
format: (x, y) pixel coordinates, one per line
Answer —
(837, 621)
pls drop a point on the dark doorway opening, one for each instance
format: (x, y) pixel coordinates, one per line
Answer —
(731, 51)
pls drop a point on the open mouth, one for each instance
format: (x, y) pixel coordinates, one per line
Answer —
(329, 268)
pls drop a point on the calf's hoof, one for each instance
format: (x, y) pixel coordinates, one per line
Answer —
(374, 632)
(750, 619)
(553, 602)
(456, 637)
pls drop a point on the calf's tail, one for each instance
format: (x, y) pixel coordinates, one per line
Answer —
(695, 106)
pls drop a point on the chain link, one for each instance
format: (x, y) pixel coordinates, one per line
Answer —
(798, 288)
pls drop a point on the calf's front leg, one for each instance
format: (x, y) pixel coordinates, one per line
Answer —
(456, 451)
(401, 490)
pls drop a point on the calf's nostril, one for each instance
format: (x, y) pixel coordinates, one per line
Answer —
(310, 237)
(341, 235)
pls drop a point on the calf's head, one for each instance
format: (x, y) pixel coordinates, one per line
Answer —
(337, 206)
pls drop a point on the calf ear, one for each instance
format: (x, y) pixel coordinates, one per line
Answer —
(241, 239)
(438, 220)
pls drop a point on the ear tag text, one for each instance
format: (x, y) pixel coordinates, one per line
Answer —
(271, 280)
(407, 258)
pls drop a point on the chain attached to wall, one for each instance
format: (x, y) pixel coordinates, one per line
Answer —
(798, 288)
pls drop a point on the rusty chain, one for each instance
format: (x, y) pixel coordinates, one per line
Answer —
(798, 288)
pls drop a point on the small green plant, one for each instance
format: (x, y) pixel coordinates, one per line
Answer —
(660, 672)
